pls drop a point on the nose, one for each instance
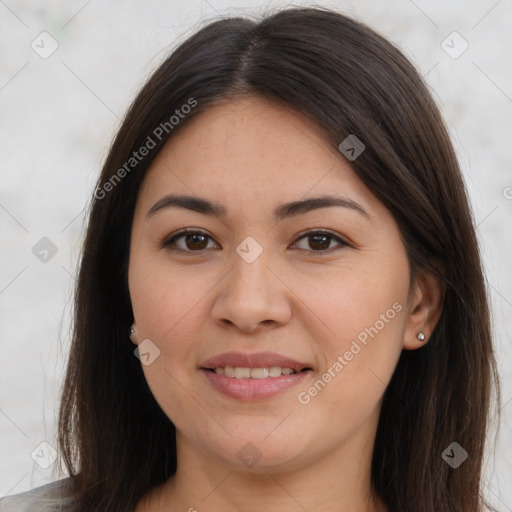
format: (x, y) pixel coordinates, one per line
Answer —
(252, 297)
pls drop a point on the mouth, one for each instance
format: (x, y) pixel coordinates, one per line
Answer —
(253, 376)
(241, 372)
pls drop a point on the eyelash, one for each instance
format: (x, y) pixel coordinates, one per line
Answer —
(180, 234)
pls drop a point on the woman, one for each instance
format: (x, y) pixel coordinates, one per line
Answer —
(280, 302)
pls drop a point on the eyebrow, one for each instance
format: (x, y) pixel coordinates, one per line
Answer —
(212, 208)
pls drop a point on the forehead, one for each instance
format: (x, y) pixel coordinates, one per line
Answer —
(251, 151)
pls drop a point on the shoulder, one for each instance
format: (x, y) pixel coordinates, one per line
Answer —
(46, 498)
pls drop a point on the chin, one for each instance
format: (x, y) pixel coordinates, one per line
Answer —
(256, 451)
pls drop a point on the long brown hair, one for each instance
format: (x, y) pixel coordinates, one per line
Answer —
(114, 439)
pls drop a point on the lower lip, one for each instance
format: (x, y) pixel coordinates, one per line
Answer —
(253, 389)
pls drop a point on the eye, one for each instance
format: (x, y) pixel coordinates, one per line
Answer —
(320, 241)
(196, 241)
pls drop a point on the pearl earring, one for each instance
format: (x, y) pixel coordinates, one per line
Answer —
(132, 335)
(421, 336)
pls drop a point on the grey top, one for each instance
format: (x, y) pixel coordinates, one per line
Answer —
(47, 498)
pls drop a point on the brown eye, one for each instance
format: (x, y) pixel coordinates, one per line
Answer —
(197, 241)
(320, 241)
(193, 241)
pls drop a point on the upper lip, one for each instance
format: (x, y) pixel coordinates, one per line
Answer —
(253, 360)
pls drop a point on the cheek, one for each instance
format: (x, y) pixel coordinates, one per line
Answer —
(166, 306)
(355, 301)
(365, 314)
(363, 308)
(164, 303)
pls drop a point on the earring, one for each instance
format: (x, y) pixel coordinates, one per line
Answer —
(421, 336)
(132, 335)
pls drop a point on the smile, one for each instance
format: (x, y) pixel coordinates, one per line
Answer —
(253, 376)
(238, 372)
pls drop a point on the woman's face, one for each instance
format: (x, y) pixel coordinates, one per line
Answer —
(250, 289)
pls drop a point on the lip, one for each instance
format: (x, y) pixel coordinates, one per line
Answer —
(253, 360)
(253, 389)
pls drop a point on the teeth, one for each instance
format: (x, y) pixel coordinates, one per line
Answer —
(274, 371)
(259, 373)
(253, 373)
(242, 373)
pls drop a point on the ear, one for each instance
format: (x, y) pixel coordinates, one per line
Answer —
(425, 306)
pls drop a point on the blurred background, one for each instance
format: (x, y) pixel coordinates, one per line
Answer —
(68, 71)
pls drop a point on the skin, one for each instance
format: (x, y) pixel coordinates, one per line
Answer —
(251, 155)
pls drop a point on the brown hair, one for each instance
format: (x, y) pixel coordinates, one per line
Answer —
(348, 80)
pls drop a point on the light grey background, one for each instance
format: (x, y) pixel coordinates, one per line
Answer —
(57, 118)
